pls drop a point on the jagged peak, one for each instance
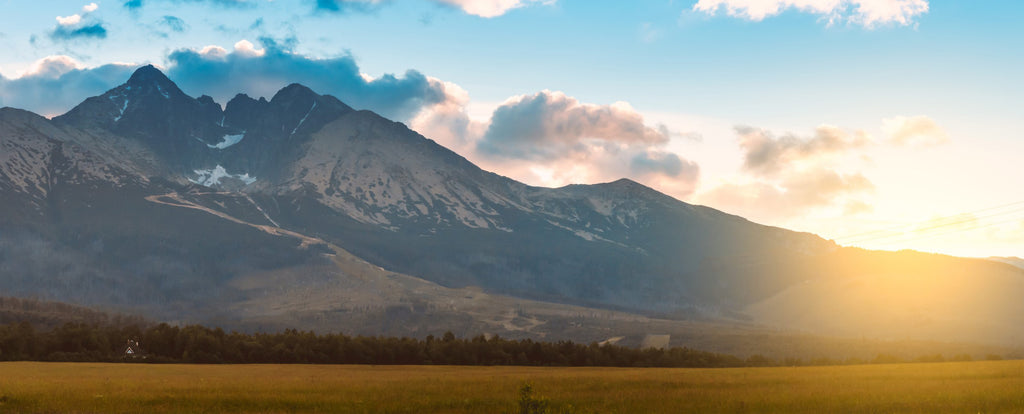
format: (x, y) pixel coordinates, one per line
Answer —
(293, 91)
(206, 100)
(149, 78)
(147, 75)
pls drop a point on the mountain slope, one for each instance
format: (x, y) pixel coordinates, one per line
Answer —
(146, 199)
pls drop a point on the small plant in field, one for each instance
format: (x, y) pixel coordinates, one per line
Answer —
(530, 404)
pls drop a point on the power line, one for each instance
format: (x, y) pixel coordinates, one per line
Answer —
(932, 236)
(899, 230)
(959, 223)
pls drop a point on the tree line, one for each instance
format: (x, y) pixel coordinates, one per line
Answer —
(198, 344)
(163, 343)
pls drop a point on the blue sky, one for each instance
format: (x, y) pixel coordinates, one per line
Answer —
(837, 117)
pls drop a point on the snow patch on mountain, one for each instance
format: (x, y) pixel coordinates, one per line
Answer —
(124, 105)
(162, 91)
(212, 177)
(123, 108)
(585, 235)
(304, 118)
(227, 141)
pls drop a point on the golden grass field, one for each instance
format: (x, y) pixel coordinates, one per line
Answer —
(974, 387)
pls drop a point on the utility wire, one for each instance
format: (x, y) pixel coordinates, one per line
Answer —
(888, 232)
(966, 222)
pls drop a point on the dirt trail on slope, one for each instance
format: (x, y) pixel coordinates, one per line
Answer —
(175, 199)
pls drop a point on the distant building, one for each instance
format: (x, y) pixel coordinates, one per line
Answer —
(132, 350)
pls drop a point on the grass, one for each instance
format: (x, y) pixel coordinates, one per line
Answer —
(986, 386)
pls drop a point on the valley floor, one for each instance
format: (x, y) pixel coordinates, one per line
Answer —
(988, 386)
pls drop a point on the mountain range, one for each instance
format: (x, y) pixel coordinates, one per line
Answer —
(300, 211)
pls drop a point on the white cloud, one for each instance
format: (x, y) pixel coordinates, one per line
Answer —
(54, 84)
(75, 19)
(870, 12)
(916, 131)
(764, 153)
(490, 8)
(69, 20)
(787, 176)
(247, 49)
(214, 52)
(551, 123)
(52, 67)
(552, 139)
(864, 12)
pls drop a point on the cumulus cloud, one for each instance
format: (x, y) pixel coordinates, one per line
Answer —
(793, 194)
(262, 71)
(548, 124)
(490, 8)
(57, 83)
(786, 176)
(448, 122)
(765, 153)
(867, 13)
(69, 20)
(915, 131)
(551, 139)
(79, 26)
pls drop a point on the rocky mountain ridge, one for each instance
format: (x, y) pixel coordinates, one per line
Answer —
(146, 199)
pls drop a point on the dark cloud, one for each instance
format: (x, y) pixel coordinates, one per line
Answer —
(346, 6)
(56, 85)
(262, 72)
(767, 154)
(135, 5)
(94, 30)
(174, 24)
(663, 163)
(548, 124)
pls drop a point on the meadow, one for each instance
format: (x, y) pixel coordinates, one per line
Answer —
(35, 387)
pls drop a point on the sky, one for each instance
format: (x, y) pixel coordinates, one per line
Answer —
(885, 124)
